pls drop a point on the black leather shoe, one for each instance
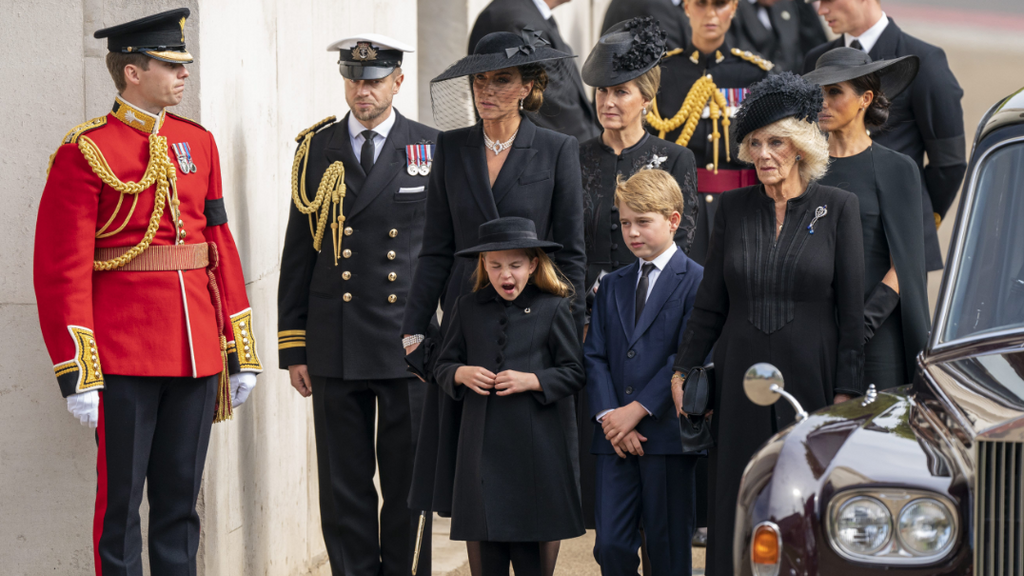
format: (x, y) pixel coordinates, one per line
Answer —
(700, 538)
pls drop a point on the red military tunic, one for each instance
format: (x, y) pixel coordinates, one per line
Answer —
(125, 321)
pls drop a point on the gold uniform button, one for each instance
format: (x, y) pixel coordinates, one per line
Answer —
(710, 166)
(392, 277)
(709, 198)
(392, 299)
(348, 230)
(346, 275)
(392, 255)
(346, 253)
(347, 297)
(393, 232)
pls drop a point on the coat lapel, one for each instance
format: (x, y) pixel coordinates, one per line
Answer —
(519, 157)
(475, 163)
(887, 43)
(625, 298)
(387, 166)
(339, 149)
(667, 282)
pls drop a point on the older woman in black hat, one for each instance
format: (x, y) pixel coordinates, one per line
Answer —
(503, 165)
(888, 185)
(783, 283)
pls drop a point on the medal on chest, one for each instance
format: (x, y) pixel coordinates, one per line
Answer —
(184, 154)
(419, 159)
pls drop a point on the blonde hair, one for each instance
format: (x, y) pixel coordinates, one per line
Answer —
(806, 137)
(652, 190)
(547, 276)
(648, 83)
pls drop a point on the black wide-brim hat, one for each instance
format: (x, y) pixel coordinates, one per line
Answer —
(499, 50)
(509, 233)
(775, 98)
(160, 36)
(625, 52)
(844, 64)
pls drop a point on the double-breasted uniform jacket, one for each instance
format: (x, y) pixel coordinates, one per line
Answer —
(155, 315)
(600, 166)
(926, 117)
(670, 16)
(341, 314)
(796, 30)
(566, 107)
(733, 71)
(515, 477)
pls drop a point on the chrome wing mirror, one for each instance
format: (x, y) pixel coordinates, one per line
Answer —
(763, 384)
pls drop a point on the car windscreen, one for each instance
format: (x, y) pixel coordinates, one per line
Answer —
(988, 292)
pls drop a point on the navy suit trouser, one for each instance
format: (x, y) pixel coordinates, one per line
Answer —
(656, 492)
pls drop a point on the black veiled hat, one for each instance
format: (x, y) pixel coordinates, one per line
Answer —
(499, 50)
(160, 36)
(626, 51)
(509, 233)
(843, 64)
(775, 98)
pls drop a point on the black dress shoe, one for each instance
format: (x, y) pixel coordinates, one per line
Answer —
(700, 538)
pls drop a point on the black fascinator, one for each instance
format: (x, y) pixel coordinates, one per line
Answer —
(777, 97)
(626, 51)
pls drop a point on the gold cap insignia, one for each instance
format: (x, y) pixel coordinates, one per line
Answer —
(182, 24)
(363, 51)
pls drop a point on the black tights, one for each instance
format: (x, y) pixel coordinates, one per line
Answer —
(524, 557)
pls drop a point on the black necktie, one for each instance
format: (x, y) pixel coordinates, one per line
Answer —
(857, 45)
(366, 153)
(641, 290)
(551, 20)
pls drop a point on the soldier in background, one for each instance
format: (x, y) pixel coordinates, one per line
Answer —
(782, 31)
(355, 225)
(141, 298)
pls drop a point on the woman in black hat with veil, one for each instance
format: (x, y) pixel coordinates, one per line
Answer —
(492, 162)
(887, 183)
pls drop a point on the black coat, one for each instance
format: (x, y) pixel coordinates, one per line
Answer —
(796, 30)
(671, 18)
(600, 167)
(516, 478)
(566, 107)
(358, 339)
(926, 117)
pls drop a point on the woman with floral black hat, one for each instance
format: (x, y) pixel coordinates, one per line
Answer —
(783, 283)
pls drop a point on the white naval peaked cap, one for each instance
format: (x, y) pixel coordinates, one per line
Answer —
(376, 40)
(369, 56)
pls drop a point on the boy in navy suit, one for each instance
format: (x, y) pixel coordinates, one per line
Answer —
(643, 478)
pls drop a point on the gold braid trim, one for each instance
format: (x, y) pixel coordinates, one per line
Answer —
(330, 194)
(703, 93)
(753, 59)
(159, 171)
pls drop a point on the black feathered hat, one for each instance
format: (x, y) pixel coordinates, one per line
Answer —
(626, 51)
(844, 64)
(509, 233)
(499, 50)
(160, 36)
(775, 98)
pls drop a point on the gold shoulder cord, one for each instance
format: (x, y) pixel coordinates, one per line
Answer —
(702, 93)
(329, 195)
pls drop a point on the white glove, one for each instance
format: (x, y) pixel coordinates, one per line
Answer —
(241, 384)
(86, 407)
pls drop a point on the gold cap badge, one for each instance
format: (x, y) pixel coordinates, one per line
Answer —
(363, 52)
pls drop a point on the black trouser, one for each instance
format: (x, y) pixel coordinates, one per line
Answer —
(343, 417)
(155, 429)
(524, 556)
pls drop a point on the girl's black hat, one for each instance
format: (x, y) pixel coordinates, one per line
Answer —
(509, 233)
(499, 50)
(775, 98)
(844, 64)
(626, 51)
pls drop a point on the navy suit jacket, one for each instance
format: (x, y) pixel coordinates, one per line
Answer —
(626, 363)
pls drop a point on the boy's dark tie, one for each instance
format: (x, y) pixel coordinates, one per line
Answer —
(641, 290)
(856, 45)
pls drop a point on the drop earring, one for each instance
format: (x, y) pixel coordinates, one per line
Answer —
(520, 104)
(799, 157)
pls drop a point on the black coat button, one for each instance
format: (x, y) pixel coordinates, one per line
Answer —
(631, 353)
(629, 389)
(614, 208)
(615, 246)
(615, 226)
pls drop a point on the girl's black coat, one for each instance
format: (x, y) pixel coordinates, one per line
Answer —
(515, 477)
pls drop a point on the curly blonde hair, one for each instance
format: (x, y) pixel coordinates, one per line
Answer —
(806, 137)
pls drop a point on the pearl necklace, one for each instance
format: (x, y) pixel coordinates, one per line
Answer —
(498, 147)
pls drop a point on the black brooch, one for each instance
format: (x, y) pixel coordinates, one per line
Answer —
(647, 47)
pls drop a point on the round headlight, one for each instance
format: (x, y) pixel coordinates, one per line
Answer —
(925, 526)
(863, 526)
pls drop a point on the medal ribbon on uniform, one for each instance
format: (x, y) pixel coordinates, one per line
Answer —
(184, 154)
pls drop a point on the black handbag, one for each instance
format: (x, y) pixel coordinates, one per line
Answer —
(694, 428)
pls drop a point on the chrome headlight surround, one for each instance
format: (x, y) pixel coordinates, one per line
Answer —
(894, 552)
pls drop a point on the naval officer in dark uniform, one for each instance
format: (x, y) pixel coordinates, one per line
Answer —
(358, 198)
(927, 117)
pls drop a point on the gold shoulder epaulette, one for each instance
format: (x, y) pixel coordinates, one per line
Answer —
(753, 59)
(72, 136)
(184, 119)
(316, 127)
(671, 53)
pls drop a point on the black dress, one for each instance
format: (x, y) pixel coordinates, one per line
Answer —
(796, 301)
(888, 188)
(515, 478)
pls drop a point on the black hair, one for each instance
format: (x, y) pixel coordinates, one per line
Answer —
(878, 112)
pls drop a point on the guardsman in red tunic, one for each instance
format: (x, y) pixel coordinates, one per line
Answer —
(141, 298)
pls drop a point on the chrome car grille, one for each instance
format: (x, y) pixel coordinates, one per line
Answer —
(999, 509)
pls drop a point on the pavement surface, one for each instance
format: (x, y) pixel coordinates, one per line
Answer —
(984, 42)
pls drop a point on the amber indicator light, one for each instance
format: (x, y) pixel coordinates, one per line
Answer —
(765, 549)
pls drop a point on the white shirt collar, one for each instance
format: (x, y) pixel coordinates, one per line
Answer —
(870, 37)
(662, 260)
(545, 10)
(355, 129)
